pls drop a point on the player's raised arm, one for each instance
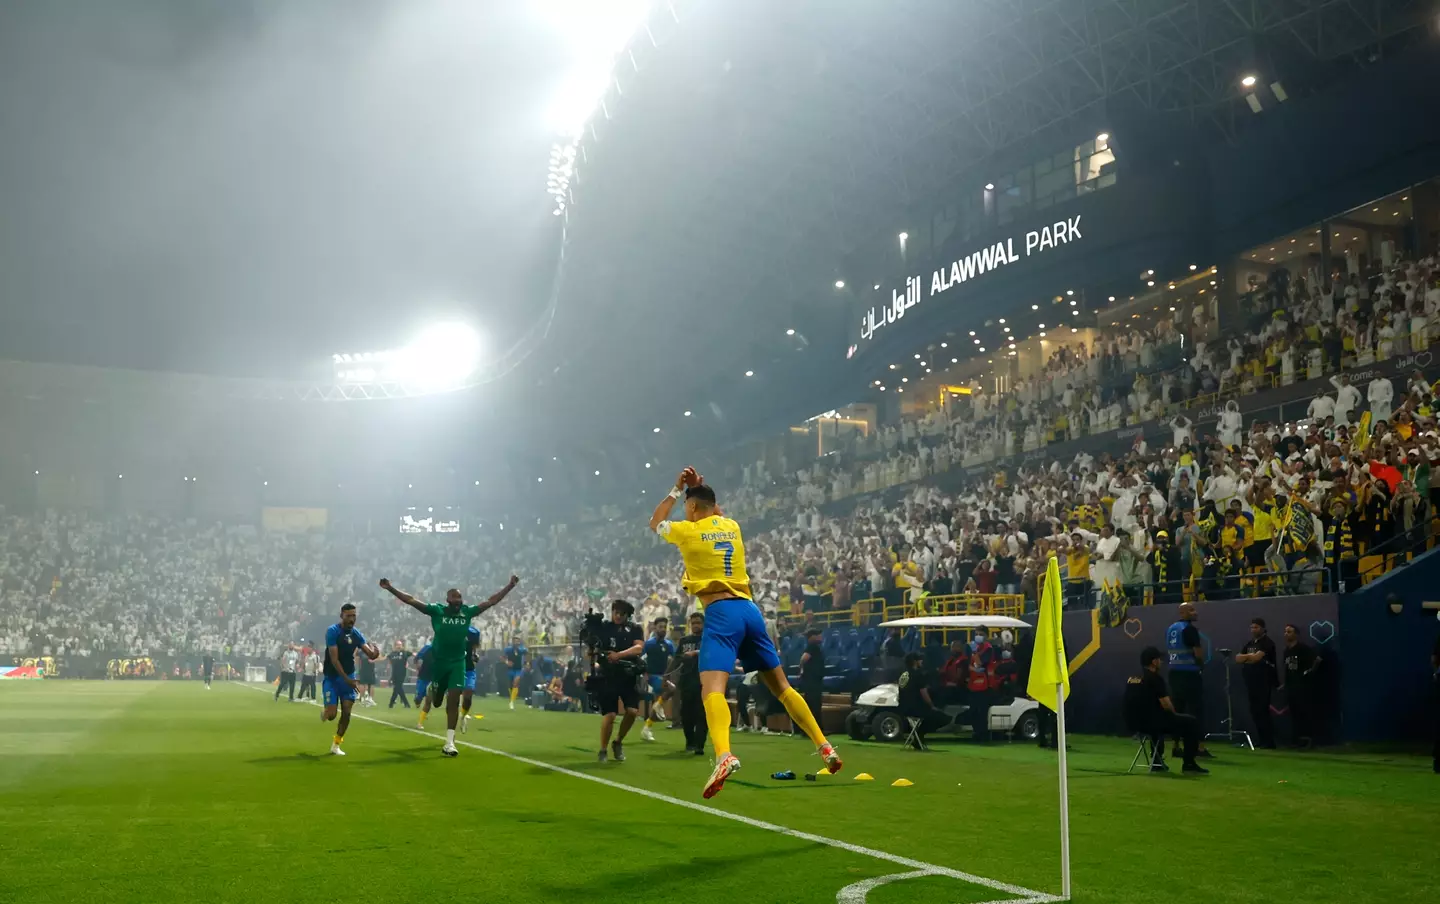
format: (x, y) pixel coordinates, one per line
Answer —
(500, 594)
(687, 477)
(402, 596)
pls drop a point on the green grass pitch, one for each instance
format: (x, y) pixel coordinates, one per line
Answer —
(163, 792)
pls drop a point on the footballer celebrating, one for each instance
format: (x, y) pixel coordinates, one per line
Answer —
(714, 555)
(451, 623)
(341, 689)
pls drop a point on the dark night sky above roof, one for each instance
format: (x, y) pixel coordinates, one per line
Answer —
(241, 188)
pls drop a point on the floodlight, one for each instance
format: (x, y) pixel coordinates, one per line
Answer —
(442, 355)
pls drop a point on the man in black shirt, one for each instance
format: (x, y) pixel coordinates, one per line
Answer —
(1161, 717)
(1257, 660)
(398, 658)
(812, 674)
(1301, 663)
(892, 653)
(619, 649)
(207, 662)
(915, 700)
(1435, 671)
(687, 667)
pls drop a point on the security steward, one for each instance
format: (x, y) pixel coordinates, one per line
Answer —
(399, 658)
(1257, 661)
(1160, 717)
(812, 674)
(687, 672)
(618, 656)
(1187, 657)
(915, 700)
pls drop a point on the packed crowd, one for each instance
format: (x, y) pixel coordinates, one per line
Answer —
(1271, 497)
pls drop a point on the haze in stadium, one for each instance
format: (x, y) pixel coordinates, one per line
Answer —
(672, 450)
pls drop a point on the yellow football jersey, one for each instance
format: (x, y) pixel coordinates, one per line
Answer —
(713, 552)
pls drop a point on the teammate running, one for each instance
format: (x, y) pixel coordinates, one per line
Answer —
(657, 652)
(451, 623)
(515, 661)
(342, 639)
(472, 656)
(422, 683)
(714, 555)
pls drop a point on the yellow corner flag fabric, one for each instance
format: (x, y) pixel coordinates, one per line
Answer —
(1049, 666)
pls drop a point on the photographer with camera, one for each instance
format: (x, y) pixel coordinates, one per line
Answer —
(615, 650)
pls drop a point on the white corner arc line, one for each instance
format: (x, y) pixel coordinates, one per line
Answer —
(859, 891)
(1029, 895)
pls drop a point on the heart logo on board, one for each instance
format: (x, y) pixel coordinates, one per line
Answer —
(1132, 628)
(1322, 632)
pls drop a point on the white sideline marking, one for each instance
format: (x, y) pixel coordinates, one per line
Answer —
(1028, 895)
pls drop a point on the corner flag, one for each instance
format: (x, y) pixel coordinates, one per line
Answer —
(1049, 667)
(1050, 687)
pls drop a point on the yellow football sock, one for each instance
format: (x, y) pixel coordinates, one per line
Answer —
(339, 739)
(514, 692)
(800, 714)
(423, 714)
(464, 710)
(717, 718)
(649, 722)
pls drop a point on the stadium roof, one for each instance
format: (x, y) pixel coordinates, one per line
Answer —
(750, 148)
(748, 156)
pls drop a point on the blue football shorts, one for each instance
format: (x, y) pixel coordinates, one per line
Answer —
(735, 631)
(336, 689)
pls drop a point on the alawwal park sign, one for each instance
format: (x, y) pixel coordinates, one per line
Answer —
(974, 265)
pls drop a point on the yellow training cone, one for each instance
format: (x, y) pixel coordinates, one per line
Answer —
(901, 783)
(864, 777)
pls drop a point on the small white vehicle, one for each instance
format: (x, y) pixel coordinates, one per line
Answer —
(877, 711)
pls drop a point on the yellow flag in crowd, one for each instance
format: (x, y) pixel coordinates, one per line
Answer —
(1361, 437)
(1049, 667)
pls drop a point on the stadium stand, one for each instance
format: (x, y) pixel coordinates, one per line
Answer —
(899, 519)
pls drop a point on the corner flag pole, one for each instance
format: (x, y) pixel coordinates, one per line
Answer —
(1051, 675)
(1064, 788)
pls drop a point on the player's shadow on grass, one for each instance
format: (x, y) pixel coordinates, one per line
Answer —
(289, 758)
(693, 874)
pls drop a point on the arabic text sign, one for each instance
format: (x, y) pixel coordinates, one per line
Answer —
(975, 264)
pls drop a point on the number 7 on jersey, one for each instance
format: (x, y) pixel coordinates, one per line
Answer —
(729, 549)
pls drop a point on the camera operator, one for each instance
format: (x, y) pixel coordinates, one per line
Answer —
(617, 648)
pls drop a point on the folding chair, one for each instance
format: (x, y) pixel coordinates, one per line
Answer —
(1146, 749)
(913, 739)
